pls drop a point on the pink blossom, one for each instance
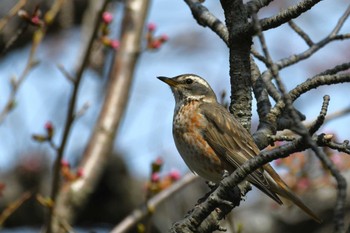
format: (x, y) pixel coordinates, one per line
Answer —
(64, 163)
(159, 161)
(164, 37)
(155, 177)
(174, 174)
(80, 172)
(107, 17)
(35, 20)
(114, 44)
(151, 27)
(156, 44)
(48, 125)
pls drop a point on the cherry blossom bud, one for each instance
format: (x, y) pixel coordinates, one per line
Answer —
(50, 129)
(107, 17)
(80, 172)
(155, 177)
(151, 27)
(174, 174)
(164, 38)
(65, 163)
(114, 44)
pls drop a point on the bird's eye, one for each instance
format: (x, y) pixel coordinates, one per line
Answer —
(188, 81)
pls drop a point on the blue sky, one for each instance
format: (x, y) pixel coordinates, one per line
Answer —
(145, 133)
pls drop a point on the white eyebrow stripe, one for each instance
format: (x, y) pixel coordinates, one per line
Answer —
(199, 80)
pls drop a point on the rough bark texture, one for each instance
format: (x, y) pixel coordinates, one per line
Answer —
(241, 97)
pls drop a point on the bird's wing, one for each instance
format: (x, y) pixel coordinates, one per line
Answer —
(232, 143)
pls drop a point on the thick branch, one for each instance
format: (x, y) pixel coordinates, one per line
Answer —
(207, 19)
(100, 144)
(240, 73)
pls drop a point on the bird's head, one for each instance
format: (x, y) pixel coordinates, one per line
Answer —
(190, 87)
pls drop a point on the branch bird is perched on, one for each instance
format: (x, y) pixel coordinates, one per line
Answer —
(210, 140)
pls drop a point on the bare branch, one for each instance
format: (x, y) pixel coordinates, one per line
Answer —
(336, 69)
(257, 55)
(301, 33)
(288, 14)
(316, 46)
(339, 210)
(207, 19)
(100, 144)
(321, 117)
(11, 13)
(337, 114)
(341, 22)
(65, 73)
(257, 5)
(138, 214)
(318, 81)
(69, 120)
(326, 140)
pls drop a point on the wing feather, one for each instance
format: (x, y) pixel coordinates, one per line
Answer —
(232, 143)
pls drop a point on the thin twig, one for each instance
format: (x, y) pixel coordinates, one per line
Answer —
(336, 69)
(301, 33)
(99, 147)
(332, 36)
(12, 12)
(321, 117)
(152, 204)
(341, 22)
(316, 82)
(12, 207)
(257, 55)
(69, 121)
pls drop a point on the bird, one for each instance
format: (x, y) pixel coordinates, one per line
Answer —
(211, 140)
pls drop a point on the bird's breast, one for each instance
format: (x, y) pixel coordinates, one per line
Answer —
(188, 127)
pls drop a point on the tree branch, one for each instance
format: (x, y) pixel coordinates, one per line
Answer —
(288, 14)
(240, 73)
(72, 197)
(316, 82)
(207, 19)
(69, 123)
(137, 215)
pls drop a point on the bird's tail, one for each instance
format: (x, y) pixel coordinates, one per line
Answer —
(282, 189)
(287, 193)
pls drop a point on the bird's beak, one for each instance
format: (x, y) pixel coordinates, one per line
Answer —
(168, 81)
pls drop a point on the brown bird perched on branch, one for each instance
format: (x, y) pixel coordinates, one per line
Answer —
(210, 140)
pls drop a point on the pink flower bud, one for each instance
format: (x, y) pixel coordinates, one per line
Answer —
(107, 17)
(151, 27)
(155, 177)
(156, 44)
(164, 37)
(35, 20)
(48, 125)
(174, 174)
(159, 161)
(114, 44)
(80, 172)
(49, 129)
(65, 163)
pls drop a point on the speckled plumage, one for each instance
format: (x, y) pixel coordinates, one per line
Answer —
(210, 140)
